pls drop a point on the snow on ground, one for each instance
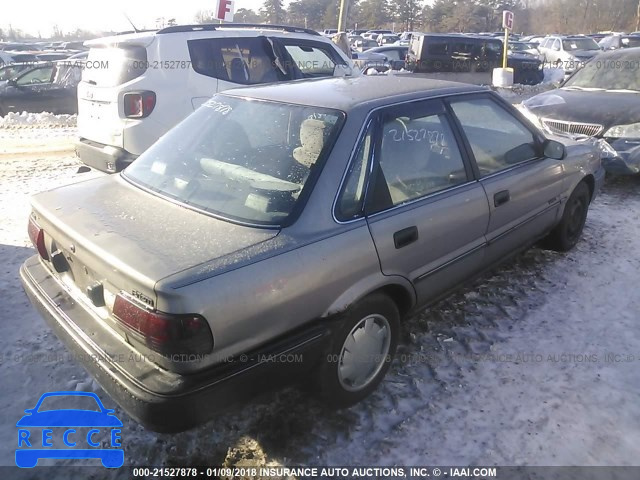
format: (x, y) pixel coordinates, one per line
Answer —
(516, 369)
(37, 120)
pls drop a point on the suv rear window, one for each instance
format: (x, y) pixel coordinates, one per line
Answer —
(112, 66)
(246, 61)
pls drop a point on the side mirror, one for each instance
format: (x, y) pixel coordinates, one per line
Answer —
(12, 82)
(553, 149)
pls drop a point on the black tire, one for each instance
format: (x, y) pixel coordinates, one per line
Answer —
(567, 233)
(337, 390)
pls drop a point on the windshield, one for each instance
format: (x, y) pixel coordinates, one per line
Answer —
(618, 73)
(580, 44)
(246, 160)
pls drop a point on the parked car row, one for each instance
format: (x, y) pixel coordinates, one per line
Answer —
(462, 53)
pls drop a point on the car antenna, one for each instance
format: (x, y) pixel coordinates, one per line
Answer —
(129, 20)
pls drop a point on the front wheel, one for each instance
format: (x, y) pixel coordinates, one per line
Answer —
(567, 233)
(360, 351)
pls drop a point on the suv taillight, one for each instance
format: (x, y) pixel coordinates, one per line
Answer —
(162, 332)
(139, 104)
(36, 234)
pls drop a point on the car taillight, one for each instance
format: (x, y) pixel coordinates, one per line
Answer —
(36, 234)
(162, 332)
(139, 104)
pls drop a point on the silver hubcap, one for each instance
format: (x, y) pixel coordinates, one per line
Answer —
(364, 352)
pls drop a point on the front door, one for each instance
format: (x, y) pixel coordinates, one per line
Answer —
(523, 187)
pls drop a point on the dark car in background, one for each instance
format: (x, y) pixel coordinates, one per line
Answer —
(46, 87)
(523, 48)
(613, 42)
(382, 58)
(459, 53)
(600, 100)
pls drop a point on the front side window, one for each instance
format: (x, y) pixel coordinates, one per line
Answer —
(246, 160)
(37, 76)
(498, 139)
(418, 156)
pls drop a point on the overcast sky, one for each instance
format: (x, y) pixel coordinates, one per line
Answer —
(39, 16)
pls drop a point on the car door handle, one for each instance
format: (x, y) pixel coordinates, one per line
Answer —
(404, 237)
(501, 198)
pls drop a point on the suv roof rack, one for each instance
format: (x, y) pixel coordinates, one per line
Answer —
(129, 32)
(209, 27)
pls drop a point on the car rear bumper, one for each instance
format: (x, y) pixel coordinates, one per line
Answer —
(161, 400)
(105, 158)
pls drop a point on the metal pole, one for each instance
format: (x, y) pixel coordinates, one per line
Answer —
(506, 48)
(342, 18)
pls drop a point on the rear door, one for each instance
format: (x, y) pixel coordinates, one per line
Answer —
(523, 187)
(426, 213)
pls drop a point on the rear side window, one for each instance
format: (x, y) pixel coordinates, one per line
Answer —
(437, 48)
(351, 199)
(112, 66)
(312, 61)
(245, 61)
(418, 156)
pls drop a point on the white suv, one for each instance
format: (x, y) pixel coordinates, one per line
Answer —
(137, 86)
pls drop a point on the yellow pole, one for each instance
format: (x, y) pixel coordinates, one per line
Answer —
(506, 48)
(342, 19)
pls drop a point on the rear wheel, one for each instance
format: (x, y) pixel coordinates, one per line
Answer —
(360, 352)
(567, 233)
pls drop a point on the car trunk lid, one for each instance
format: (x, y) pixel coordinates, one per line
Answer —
(115, 237)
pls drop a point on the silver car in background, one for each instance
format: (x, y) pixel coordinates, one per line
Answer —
(288, 229)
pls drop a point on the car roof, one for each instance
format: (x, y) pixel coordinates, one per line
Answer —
(464, 36)
(206, 31)
(346, 93)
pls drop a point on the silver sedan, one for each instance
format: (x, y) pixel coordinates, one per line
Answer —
(283, 232)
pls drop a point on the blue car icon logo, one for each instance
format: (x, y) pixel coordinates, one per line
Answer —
(89, 432)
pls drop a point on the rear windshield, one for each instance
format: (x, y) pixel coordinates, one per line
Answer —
(112, 66)
(246, 160)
